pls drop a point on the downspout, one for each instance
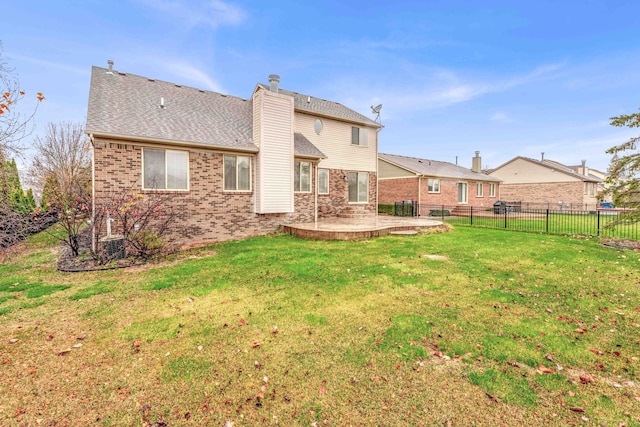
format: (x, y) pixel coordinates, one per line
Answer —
(93, 193)
(315, 202)
(419, 192)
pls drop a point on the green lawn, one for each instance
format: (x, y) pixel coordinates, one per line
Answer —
(501, 328)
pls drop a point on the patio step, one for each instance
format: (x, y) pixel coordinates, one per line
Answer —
(357, 211)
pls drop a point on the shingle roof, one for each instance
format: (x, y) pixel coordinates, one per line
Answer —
(305, 148)
(128, 105)
(556, 166)
(436, 168)
(309, 104)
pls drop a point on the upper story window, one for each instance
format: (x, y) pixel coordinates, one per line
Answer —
(165, 169)
(433, 185)
(358, 136)
(237, 173)
(317, 126)
(323, 181)
(302, 176)
(479, 189)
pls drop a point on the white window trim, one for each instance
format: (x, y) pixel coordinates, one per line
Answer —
(479, 189)
(165, 171)
(328, 181)
(435, 180)
(492, 190)
(300, 162)
(224, 174)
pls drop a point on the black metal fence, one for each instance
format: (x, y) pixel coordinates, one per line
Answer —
(523, 217)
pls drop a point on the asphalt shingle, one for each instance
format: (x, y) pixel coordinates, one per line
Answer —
(436, 168)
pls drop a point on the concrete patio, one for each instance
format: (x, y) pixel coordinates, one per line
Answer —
(358, 228)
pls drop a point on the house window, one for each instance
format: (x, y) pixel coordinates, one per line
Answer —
(358, 136)
(462, 192)
(323, 181)
(479, 189)
(302, 176)
(433, 185)
(358, 187)
(492, 190)
(237, 173)
(592, 189)
(165, 169)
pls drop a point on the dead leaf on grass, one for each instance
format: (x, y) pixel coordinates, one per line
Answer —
(545, 370)
(63, 352)
(13, 340)
(492, 398)
(585, 380)
(577, 409)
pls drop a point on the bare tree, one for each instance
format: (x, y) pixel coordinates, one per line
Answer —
(14, 126)
(63, 156)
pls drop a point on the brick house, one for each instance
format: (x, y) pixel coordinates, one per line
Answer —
(432, 182)
(547, 182)
(235, 167)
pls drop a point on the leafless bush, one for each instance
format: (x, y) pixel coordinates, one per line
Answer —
(143, 220)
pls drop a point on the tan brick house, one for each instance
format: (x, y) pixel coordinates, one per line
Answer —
(235, 167)
(432, 182)
(547, 183)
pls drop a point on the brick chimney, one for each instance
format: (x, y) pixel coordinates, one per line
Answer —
(476, 163)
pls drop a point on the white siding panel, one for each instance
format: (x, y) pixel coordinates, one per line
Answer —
(387, 170)
(275, 170)
(522, 171)
(335, 142)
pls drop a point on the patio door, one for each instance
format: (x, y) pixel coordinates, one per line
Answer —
(463, 192)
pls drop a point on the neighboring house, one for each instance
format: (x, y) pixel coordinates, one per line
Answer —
(546, 182)
(583, 169)
(234, 167)
(432, 182)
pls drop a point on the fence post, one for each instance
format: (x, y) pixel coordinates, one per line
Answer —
(505, 217)
(547, 222)
(598, 212)
(471, 218)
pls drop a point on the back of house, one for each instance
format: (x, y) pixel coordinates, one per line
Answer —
(227, 167)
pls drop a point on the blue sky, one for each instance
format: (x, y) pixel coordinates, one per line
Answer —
(507, 78)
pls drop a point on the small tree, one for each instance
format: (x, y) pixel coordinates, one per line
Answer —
(62, 166)
(624, 170)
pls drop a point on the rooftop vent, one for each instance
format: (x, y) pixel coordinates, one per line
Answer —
(274, 80)
(110, 64)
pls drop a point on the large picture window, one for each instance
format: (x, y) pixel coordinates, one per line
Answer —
(237, 173)
(358, 187)
(323, 181)
(165, 169)
(302, 176)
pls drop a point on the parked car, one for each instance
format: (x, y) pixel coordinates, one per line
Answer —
(605, 205)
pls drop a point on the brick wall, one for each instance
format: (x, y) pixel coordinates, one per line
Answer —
(397, 190)
(206, 212)
(330, 205)
(545, 193)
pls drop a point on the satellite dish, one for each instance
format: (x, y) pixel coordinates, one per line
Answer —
(376, 110)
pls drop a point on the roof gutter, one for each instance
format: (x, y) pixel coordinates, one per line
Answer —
(125, 138)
